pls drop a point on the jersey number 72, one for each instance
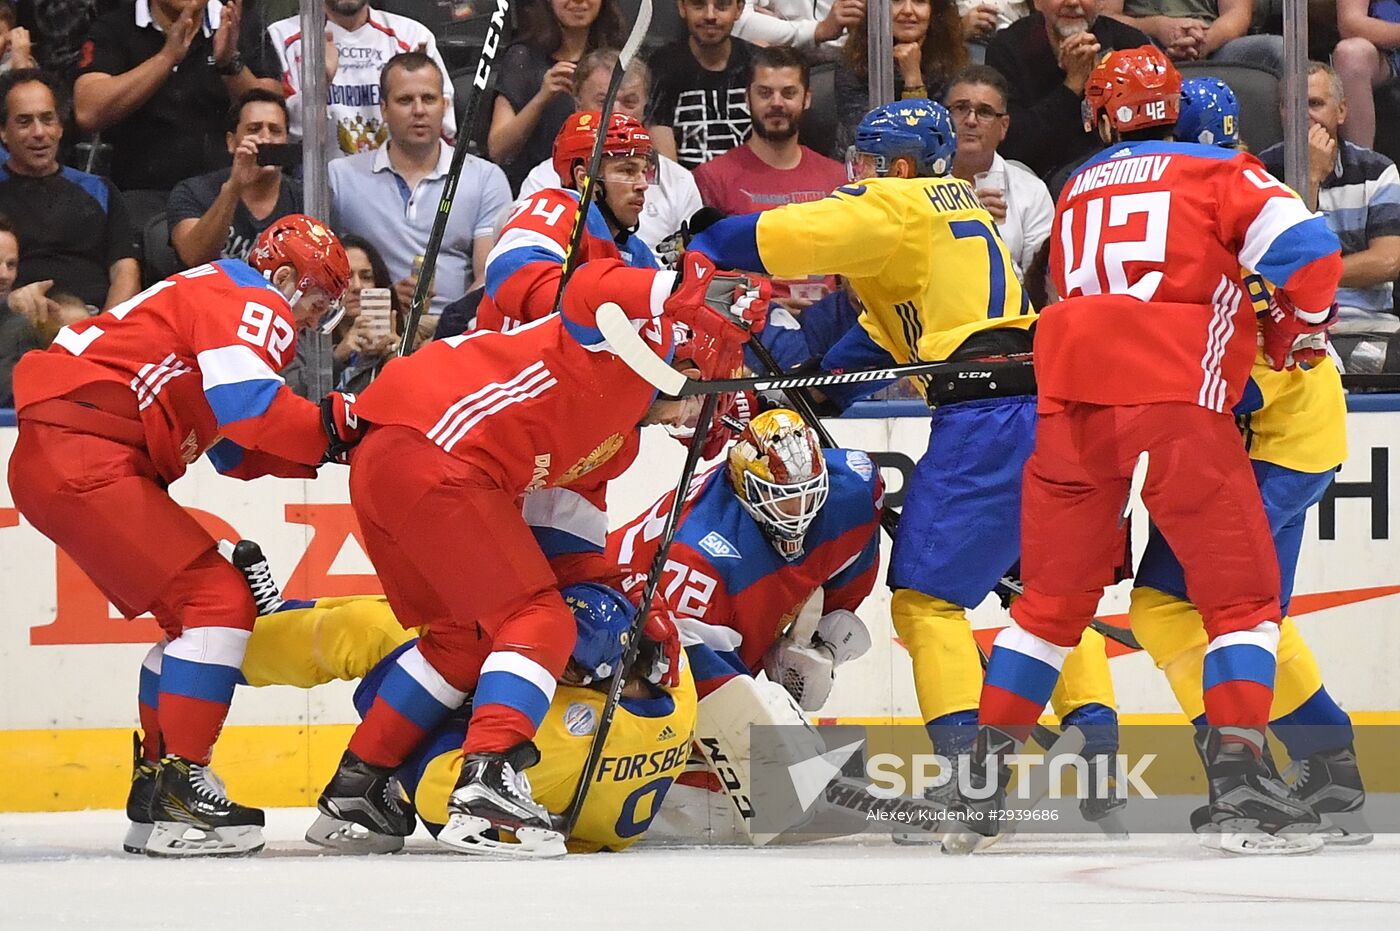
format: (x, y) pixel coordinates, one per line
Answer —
(1103, 215)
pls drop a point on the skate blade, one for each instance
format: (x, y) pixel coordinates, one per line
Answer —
(467, 834)
(175, 839)
(1112, 826)
(1259, 844)
(1345, 829)
(914, 838)
(137, 836)
(350, 838)
(959, 841)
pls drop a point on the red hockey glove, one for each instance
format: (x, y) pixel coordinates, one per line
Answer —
(661, 664)
(1288, 340)
(343, 428)
(732, 415)
(730, 315)
(659, 656)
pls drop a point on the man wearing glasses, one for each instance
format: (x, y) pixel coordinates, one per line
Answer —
(1017, 200)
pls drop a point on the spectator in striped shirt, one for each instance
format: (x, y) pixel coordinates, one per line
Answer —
(1358, 190)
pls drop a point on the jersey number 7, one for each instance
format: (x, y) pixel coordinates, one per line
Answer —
(1082, 275)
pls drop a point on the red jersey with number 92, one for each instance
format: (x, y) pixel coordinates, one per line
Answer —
(1147, 249)
(201, 351)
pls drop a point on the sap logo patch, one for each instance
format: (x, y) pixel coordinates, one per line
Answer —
(859, 463)
(718, 547)
(580, 719)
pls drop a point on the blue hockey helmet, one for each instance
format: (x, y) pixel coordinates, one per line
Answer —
(1210, 114)
(918, 129)
(603, 617)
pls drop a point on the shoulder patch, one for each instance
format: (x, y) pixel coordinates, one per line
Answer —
(718, 547)
(580, 719)
(859, 463)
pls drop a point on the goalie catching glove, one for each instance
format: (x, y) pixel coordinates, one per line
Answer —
(808, 670)
(1289, 338)
(343, 428)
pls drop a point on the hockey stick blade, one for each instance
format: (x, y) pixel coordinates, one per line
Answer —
(631, 348)
(481, 82)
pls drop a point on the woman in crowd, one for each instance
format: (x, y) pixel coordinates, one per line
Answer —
(928, 50)
(534, 94)
(359, 353)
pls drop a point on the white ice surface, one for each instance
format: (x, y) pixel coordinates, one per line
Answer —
(67, 871)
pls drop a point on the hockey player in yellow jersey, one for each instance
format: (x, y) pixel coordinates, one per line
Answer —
(305, 644)
(934, 282)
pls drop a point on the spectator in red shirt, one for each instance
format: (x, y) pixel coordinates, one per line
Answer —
(771, 168)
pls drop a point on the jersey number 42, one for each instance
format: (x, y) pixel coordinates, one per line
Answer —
(1102, 217)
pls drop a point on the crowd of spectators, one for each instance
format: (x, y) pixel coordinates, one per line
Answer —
(180, 121)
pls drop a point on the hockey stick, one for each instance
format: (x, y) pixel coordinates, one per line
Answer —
(632, 349)
(595, 158)
(634, 638)
(485, 68)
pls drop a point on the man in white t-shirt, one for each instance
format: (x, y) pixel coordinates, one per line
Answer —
(1018, 200)
(359, 41)
(674, 197)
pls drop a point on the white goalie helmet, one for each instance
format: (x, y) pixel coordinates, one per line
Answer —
(777, 470)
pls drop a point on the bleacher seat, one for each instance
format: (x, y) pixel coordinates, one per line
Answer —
(158, 257)
(818, 129)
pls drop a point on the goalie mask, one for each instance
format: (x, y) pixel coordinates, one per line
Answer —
(778, 472)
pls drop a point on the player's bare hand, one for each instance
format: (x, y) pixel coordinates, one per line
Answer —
(332, 57)
(33, 303)
(559, 79)
(793, 305)
(995, 204)
(979, 21)
(908, 58)
(180, 36)
(226, 36)
(1322, 154)
(21, 49)
(1077, 56)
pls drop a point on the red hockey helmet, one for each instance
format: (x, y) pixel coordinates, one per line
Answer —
(312, 250)
(1135, 88)
(626, 137)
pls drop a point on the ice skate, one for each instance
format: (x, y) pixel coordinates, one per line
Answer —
(1251, 810)
(368, 797)
(138, 800)
(1102, 806)
(194, 816)
(975, 824)
(247, 557)
(1330, 783)
(943, 796)
(492, 797)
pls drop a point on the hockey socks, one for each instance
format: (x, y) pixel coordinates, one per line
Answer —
(1020, 677)
(198, 674)
(411, 701)
(148, 703)
(1316, 726)
(510, 702)
(1238, 682)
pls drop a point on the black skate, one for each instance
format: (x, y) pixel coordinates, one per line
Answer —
(492, 797)
(943, 796)
(247, 557)
(1103, 805)
(1330, 783)
(138, 800)
(363, 810)
(194, 816)
(1251, 810)
(975, 823)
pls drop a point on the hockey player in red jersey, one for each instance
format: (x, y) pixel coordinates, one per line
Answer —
(114, 412)
(524, 267)
(1147, 354)
(457, 434)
